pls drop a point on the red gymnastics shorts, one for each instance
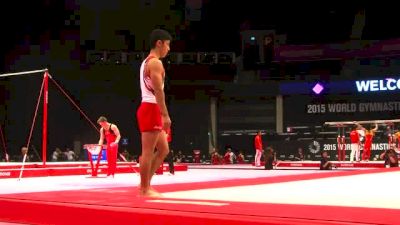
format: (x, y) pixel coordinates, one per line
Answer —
(149, 117)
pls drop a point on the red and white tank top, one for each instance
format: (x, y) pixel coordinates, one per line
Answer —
(146, 84)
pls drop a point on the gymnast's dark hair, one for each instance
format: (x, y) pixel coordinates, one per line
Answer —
(159, 35)
(102, 119)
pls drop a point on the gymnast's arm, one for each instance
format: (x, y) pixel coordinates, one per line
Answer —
(101, 136)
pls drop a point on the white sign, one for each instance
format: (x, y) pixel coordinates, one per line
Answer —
(362, 107)
(374, 147)
(389, 84)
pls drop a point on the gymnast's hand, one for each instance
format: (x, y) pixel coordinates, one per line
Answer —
(166, 122)
(113, 144)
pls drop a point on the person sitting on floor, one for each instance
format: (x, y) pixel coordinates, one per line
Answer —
(300, 155)
(325, 164)
(269, 157)
(215, 157)
(229, 157)
(390, 157)
(240, 158)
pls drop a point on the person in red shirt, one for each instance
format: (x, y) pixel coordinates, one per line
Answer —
(215, 157)
(355, 143)
(111, 133)
(240, 158)
(229, 156)
(369, 135)
(259, 149)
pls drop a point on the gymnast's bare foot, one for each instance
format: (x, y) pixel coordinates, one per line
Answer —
(150, 193)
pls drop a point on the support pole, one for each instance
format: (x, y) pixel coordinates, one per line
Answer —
(45, 102)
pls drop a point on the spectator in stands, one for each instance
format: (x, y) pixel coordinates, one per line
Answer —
(180, 157)
(300, 154)
(56, 156)
(229, 157)
(70, 155)
(24, 151)
(196, 156)
(325, 164)
(240, 158)
(390, 157)
(126, 155)
(269, 156)
(215, 157)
